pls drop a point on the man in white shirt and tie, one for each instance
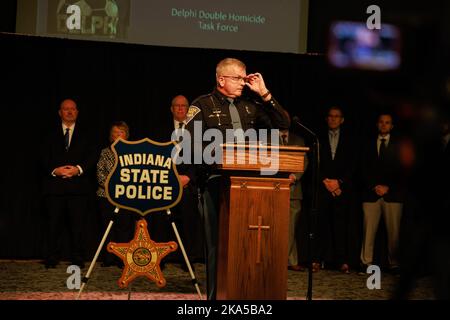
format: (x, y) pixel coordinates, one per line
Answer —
(336, 226)
(383, 192)
(185, 213)
(288, 138)
(68, 156)
(179, 109)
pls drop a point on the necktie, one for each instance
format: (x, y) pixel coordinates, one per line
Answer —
(382, 151)
(333, 143)
(235, 119)
(67, 139)
(180, 131)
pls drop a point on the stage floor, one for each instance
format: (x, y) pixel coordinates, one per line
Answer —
(29, 280)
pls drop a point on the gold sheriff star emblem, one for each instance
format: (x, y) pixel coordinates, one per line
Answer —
(142, 256)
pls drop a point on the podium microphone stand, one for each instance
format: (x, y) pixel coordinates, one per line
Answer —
(312, 219)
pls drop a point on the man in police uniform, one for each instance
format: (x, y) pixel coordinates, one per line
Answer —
(223, 109)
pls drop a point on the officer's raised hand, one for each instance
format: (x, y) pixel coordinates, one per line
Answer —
(256, 83)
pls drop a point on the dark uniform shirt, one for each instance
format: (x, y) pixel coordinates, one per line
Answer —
(214, 112)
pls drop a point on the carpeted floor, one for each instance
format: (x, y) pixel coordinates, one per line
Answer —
(23, 280)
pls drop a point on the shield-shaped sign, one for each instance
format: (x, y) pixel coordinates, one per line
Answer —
(144, 178)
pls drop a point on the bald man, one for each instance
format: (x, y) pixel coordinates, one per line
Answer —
(185, 213)
(67, 159)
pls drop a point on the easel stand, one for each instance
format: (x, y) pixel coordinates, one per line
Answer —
(186, 259)
(102, 242)
(99, 249)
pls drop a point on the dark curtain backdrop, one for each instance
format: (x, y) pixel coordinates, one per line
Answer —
(135, 83)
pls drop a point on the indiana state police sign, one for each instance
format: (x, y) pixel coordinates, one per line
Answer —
(144, 178)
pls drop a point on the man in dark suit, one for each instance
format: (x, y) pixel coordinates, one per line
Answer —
(383, 192)
(185, 213)
(335, 220)
(68, 158)
(288, 138)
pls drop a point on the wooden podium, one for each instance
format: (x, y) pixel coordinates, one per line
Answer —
(254, 221)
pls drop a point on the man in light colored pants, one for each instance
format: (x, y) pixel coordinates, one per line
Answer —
(383, 190)
(392, 214)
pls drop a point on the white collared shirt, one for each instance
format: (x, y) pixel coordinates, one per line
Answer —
(179, 132)
(386, 142)
(71, 129)
(333, 137)
(176, 124)
(286, 134)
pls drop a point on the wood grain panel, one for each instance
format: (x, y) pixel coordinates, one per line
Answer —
(253, 158)
(239, 275)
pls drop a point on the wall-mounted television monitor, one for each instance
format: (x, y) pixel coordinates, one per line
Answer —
(352, 45)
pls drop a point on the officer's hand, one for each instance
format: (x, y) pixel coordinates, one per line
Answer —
(256, 83)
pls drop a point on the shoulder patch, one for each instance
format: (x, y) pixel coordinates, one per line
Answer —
(192, 112)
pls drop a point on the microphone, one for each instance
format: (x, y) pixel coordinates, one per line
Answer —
(316, 147)
(297, 121)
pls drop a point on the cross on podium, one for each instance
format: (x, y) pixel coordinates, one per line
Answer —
(258, 227)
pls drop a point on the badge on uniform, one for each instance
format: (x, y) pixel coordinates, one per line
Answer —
(192, 112)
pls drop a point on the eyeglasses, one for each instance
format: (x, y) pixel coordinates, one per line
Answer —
(180, 106)
(236, 78)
